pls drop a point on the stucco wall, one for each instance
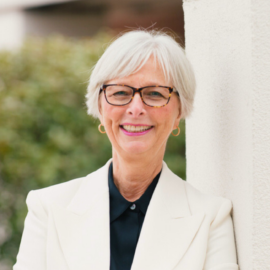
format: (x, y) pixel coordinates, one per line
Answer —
(261, 132)
(228, 134)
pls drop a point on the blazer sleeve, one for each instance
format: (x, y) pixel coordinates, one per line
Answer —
(221, 251)
(32, 251)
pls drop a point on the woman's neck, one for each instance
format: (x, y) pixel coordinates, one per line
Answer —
(132, 176)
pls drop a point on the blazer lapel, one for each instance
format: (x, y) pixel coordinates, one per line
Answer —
(168, 228)
(83, 227)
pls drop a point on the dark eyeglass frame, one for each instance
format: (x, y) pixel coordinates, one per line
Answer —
(138, 90)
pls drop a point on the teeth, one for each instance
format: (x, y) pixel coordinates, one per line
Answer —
(136, 128)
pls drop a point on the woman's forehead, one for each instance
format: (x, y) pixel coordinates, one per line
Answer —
(151, 73)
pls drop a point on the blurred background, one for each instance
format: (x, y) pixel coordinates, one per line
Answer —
(47, 49)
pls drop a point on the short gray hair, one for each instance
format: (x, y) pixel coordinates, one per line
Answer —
(128, 53)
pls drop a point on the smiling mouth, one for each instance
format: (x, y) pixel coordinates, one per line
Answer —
(136, 129)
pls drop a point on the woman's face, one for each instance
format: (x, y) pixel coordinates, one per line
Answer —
(160, 121)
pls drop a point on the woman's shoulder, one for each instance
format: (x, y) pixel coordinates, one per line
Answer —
(61, 193)
(209, 203)
(198, 201)
(196, 197)
(194, 193)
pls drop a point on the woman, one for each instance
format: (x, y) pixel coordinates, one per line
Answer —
(133, 213)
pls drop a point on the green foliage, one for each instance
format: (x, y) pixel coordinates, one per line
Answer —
(46, 136)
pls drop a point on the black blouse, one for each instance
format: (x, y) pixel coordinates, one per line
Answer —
(126, 219)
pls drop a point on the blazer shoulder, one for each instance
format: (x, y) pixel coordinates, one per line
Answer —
(210, 204)
(61, 193)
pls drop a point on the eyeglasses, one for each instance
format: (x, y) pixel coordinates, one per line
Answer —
(154, 96)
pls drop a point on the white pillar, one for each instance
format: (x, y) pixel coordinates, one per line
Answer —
(12, 29)
(228, 134)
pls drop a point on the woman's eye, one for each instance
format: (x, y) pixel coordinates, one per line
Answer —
(121, 93)
(155, 94)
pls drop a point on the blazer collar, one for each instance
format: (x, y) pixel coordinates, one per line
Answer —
(92, 189)
(167, 231)
(96, 185)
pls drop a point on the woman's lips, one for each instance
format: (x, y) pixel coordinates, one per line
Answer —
(135, 130)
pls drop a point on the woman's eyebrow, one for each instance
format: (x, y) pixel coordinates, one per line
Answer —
(148, 83)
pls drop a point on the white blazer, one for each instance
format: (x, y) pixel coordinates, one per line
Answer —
(68, 228)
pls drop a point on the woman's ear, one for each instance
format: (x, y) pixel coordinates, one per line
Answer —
(100, 107)
(178, 116)
(179, 113)
(100, 118)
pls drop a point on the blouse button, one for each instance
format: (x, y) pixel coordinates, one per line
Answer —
(133, 206)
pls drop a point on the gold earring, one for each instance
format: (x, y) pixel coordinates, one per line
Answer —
(178, 132)
(101, 131)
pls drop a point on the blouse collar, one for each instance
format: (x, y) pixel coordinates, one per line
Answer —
(118, 204)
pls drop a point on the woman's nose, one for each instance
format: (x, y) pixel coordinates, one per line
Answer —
(136, 106)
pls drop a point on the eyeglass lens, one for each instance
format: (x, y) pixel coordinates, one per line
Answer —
(152, 96)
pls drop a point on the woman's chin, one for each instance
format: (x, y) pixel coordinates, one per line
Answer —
(136, 147)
